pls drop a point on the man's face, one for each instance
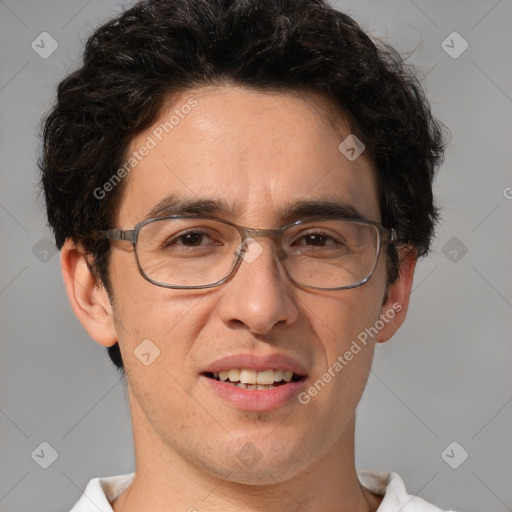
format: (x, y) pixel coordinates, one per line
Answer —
(257, 152)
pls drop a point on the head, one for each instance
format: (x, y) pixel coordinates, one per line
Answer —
(246, 103)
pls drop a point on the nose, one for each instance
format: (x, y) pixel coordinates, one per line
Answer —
(259, 295)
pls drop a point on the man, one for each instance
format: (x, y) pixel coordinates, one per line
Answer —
(240, 191)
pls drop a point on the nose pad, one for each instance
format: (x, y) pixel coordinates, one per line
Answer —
(281, 255)
(250, 249)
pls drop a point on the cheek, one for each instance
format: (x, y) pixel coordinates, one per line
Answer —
(144, 311)
(341, 317)
(349, 356)
(343, 324)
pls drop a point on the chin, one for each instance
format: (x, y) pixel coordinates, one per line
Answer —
(260, 463)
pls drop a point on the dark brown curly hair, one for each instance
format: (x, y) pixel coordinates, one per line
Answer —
(158, 48)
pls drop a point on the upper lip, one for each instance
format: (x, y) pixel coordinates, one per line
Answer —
(256, 362)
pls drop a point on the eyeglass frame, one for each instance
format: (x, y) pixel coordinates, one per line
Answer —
(386, 236)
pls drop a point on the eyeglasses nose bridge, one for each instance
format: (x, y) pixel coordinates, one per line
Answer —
(273, 233)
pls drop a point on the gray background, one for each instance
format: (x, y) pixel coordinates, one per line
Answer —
(445, 376)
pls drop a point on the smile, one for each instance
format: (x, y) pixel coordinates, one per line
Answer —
(255, 380)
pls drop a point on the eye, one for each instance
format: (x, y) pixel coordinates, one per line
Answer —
(188, 239)
(316, 239)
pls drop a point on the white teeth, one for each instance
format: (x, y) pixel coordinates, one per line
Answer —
(234, 375)
(278, 375)
(265, 377)
(248, 376)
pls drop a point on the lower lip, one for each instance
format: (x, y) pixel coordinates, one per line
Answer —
(255, 399)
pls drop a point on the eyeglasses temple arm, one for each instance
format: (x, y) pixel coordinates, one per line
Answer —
(120, 234)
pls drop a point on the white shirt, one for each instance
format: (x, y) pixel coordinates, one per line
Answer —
(101, 492)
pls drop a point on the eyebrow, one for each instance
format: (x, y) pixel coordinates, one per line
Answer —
(326, 208)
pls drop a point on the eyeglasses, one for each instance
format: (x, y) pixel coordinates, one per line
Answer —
(191, 251)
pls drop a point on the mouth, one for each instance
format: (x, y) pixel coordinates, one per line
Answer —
(250, 379)
(255, 382)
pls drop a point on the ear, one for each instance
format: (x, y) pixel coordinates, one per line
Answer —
(88, 298)
(396, 303)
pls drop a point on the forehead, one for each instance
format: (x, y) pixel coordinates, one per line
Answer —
(256, 153)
